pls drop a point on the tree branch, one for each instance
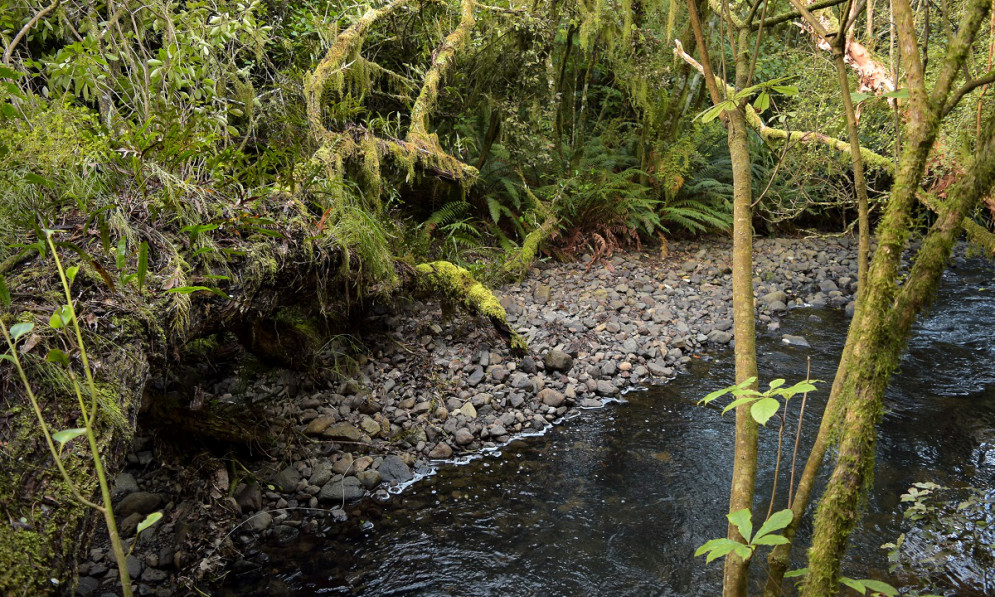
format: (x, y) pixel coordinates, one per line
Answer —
(27, 27)
(967, 88)
(790, 16)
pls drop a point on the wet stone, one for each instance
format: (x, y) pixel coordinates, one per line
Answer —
(557, 360)
(141, 502)
(348, 488)
(343, 431)
(287, 479)
(393, 470)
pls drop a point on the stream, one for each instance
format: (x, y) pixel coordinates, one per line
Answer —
(614, 501)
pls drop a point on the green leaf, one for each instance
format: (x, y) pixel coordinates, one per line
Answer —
(880, 587)
(192, 289)
(743, 551)
(715, 111)
(19, 329)
(57, 356)
(67, 435)
(763, 409)
(71, 273)
(713, 395)
(902, 93)
(857, 97)
(739, 402)
(776, 383)
(4, 293)
(61, 317)
(762, 102)
(771, 540)
(788, 90)
(796, 573)
(741, 520)
(9, 111)
(716, 548)
(856, 585)
(121, 255)
(150, 520)
(9, 73)
(776, 522)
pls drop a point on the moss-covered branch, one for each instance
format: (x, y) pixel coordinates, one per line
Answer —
(333, 65)
(442, 58)
(453, 283)
(360, 145)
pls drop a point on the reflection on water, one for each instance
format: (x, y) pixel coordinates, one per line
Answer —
(615, 502)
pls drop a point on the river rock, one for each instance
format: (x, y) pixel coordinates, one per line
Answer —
(496, 430)
(124, 484)
(369, 479)
(521, 381)
(321, 473)
(343, 431)
(250, 497)
(557, 360)
(369, 426)
(287, 479)
(394, 470)
(284, 534)
(344, 464)
(778, 296)
(550, 397)
(795, 341)
(542, 294)
(441, 451)
(141, 502)
(719, 337)
(260, 521)
(463, 436)
(499, 373)
(317, 426)
(348, 488)
(475, 377)
(468, 411)
(606, 388)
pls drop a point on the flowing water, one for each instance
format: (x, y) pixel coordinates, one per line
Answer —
(615, 501)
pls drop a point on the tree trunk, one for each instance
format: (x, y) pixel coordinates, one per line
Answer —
(859, 184)
(744, 474)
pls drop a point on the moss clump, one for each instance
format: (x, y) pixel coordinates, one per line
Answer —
(455, 284)
(24, 560)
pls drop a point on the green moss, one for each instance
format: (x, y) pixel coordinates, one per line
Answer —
(453, 283)
(24, 560)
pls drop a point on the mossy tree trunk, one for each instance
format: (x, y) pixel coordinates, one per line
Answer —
(884, 315)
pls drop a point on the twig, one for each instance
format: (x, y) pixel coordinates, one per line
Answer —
(798, 435)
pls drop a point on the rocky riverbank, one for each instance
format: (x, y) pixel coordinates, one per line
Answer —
(430, 387)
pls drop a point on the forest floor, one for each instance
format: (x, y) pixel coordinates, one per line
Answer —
(423, 386)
